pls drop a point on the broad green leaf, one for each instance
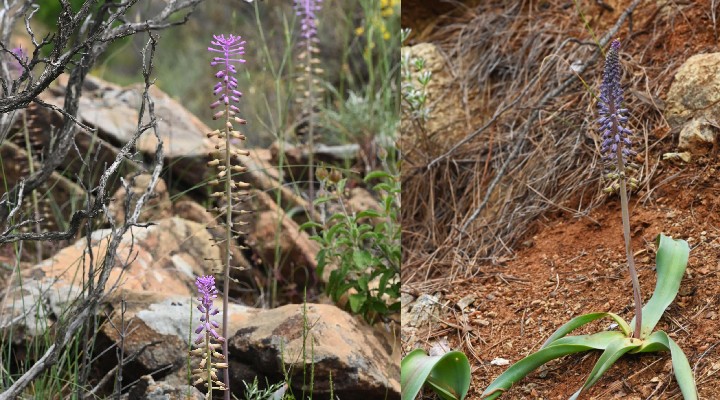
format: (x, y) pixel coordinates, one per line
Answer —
(362, 258)
(672, 257)
(595, 341)
(356, 301)
(683, 373)
(615, 349)
(582, 320)
(448, 375)
(562, 347)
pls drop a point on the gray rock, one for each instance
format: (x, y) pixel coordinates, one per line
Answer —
(698, 135)
(265, 343)
(422, 311)
(693, 102)
(148, 389)
(165, 258)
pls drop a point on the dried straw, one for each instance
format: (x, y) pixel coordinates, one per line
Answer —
(472, 202)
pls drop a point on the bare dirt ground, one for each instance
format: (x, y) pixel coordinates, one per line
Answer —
(570, 263)
(576, 266)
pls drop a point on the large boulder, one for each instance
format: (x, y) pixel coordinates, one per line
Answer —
(693, 103)
(162, 258)
(265, 343)
(114, 111)
(364, 363)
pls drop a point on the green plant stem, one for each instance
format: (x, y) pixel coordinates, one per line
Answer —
(311, 123)
(208, 359)
(626, 232)
(228, 241)
(31, 164)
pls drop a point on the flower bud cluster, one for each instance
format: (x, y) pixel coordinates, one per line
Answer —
(616, 146)
(208, 340)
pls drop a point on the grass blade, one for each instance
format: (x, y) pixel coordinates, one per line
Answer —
(448, 375)
(582, 320)
(672, 257)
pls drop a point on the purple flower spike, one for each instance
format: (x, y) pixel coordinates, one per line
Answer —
(208, 292)
(613, 118)
(231, 48)
(307, 11)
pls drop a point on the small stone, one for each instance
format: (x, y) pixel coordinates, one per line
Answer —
(490, 296)
(466, 301)
(499, 361)
(482, 322)
(491, 314)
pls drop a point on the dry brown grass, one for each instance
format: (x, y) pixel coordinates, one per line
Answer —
(467, 204)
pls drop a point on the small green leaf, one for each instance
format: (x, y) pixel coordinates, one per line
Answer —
(672, 257)
(362, 258)
(377, 175)
(369, 214)
(357, 300)
(448, 375)
(310, 224)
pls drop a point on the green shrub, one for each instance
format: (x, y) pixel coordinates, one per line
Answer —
(363, 247)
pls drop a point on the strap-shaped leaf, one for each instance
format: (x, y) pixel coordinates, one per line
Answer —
(683, 373)
(596, 341)
(671, 259)
(563, 347)
(448, 374)
(614, 350)
(582, 320)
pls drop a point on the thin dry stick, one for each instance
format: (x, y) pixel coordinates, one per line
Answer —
(533, 116)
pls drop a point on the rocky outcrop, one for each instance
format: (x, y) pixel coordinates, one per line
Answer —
(152, 312)
(157, 207)
(279, 241)
(264, 343)
(113, 110)
(360, 360)
(693, 103)
(162, 258)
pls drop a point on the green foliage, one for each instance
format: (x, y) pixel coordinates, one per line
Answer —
(254, 392)
(362, 249)
(448, 375)
(364, 105)
(672, 257)
(414, 91)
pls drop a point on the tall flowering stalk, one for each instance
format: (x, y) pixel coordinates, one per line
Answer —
(229, 51)
(616, 148)
(671, 262)
(308, 78)
(208, 340)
